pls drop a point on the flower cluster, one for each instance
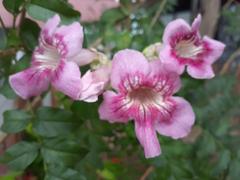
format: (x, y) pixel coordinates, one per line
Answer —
(142, 85)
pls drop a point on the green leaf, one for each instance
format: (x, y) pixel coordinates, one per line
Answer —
(15, 121)
(29, 32)
(13, 38)
(51, 122)
(234, 172)
(7, 91)
(64, 151)
(207, 145)
(85, 110)
(3, 42)
(111, 16)
(55, 172)
(224, 159)
(13, 6)
(20, 155)
(41, 10)
(21, 64)
(11, 176)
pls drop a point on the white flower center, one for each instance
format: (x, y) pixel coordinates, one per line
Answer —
(49, 59)
(187, 49)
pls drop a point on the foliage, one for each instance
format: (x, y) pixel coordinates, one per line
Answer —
(70, 142)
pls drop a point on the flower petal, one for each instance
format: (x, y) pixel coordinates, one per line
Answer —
(84, 57)
(50, 27)
(215, 47)
(29, 83)
(181, 120)
(70, 38)
(167, 58)
(67, 79)
(147, 137)
(196, 23)
(112, 108)
(90, 88)
(202, 71)
(174, 29)
(168, 73)
(127, 62)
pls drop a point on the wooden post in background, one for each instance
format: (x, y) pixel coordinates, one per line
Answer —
(210, 14)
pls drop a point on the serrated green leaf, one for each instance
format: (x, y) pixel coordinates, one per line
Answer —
(55, 172)
(51, 122)
(15, 121)
(20, 155)
(64, 151)
(41, 10)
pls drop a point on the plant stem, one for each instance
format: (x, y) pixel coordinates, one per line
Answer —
(146, 173)
(229, 61)
(14, 21)
(2, 24)
(158, 13)
(10, 51)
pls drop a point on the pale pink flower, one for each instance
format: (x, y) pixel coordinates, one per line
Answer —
(91, 10)
(183, 46)
(52, 62)
(143, 93)
(97, 79)
(89, 13)
(93, 83)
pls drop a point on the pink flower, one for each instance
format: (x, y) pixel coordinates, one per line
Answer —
(144, 93)
(183, 46)
(52, 62)
(93, 84)
(90, 13)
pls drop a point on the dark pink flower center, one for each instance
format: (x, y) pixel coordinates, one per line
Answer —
(146, 96)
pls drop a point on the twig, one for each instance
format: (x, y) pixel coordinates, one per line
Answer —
(10, 51)
(146, 173)
(22, 16)
(158, 13)
(14, 21)
(97, 42)
(229, 61)
(2, 24)
(227, 4)
(53, 97)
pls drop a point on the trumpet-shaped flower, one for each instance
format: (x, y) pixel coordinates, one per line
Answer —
(183, 46)
(143, 93)
(53, 62)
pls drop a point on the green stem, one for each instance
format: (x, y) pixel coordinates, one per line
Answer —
(158, 13)
(2, 24)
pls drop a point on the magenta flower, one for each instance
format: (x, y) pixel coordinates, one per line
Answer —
(53, 62)
(144, 94)
(183, 46)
